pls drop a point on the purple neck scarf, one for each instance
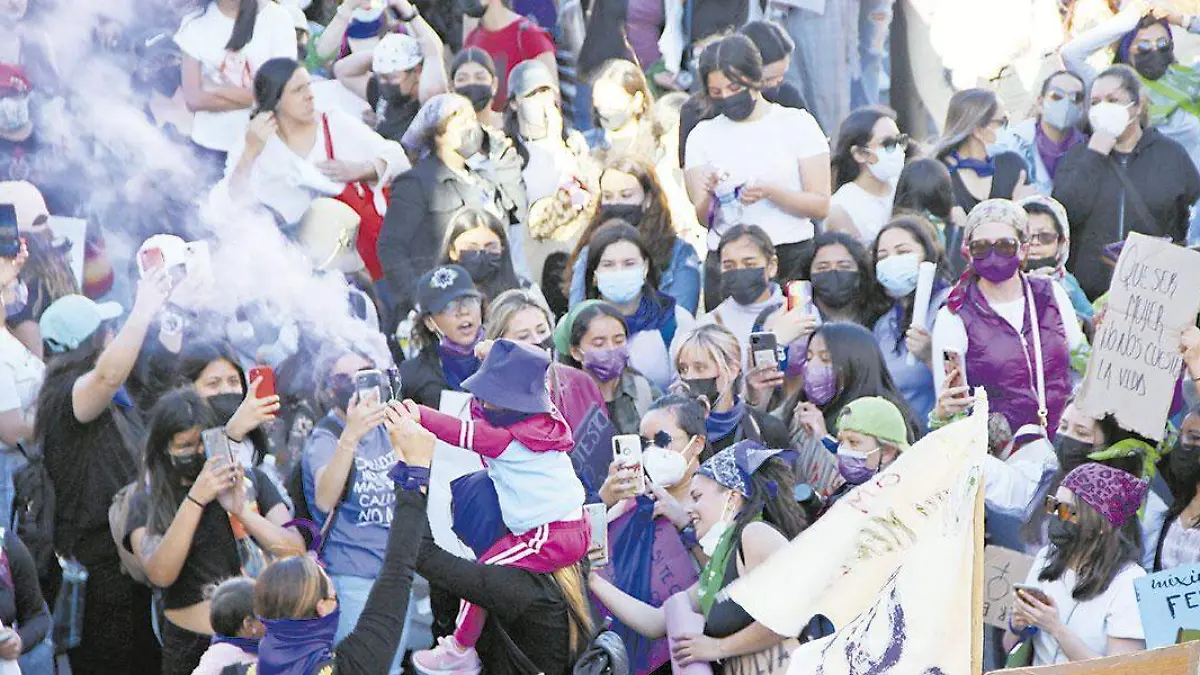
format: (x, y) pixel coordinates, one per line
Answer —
(296, 646)
(1052, 152)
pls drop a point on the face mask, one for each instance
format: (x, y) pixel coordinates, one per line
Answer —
(613, 119)
(995, 267)
(835, 288)
(630, 213)
(708, 543)
(889, 166)
(772, 93)
(1040, 263)
(820, 382)
(666, 468)
(1153, 65)
(393, 94)
(898, 274)
(1061, 114)
(1071, 452)
(745, 286)
(473, 8)
(224, 406)
(606, 364)
(1062, 534)
(533, 122)
(481, 264)
(547, 344)
(738, 106)
(1004, 141)
(186, 468)
(703, 386)
(1109, 118)
(341, 388)
(621, 286)
(14, 113)
(471, 142)
(504, 418)
(480, 95)
(853, 467)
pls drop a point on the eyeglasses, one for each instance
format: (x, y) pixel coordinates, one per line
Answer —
(1006, 247)
(1147, 46)
(460, 304)
(999, 123)
(1062, 510)
(900, 141)
(1059, 94)
(1045, 238)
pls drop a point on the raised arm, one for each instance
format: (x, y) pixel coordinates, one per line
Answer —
(434, 80)
(354, 72)
(329, 45)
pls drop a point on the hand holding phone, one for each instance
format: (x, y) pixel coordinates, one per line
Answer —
(370, 385)
(597, 516)
(954, 363)
(764, 350)
(627, 450)
(265, 376)
(1033, 592)
(216, 444)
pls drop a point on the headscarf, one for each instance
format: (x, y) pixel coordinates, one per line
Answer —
(1115, 494)
(733, 467)
(418, 140)
(989, 211)
(1064, 227)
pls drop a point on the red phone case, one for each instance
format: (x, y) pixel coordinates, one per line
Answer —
(267, 386)
(152, 259)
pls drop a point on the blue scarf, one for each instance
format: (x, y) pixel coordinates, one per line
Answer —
(652, 313)
(721, 424)
(457, 367)
(297, 646)
(982, 167)
(248, 645)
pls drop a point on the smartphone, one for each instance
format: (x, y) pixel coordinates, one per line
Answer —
(954, 361)
(597, 516)
(1033, 591)
(627, 448)
(216, 443)
(394, 381)
(267, 386)
(198, 259)
(371, 384)
(799, 294)
(10, 237)
(150, 260)
(764, 350)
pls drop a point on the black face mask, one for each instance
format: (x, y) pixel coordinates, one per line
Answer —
(1063, 534)
(703, 386)
(630, 213)
(186, 468)
(1040, 263)
(547, 344)
(1184, 462)
(481, 265)
(470, 143)
(738, 106)
(224, 406)
(1153, 65)
(745, 286)
(393, 94)
(835, 288)
(341, 389)
(1071, 452)
(480, 95)
(473, 8)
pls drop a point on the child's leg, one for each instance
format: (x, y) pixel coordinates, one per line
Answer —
(470, 622)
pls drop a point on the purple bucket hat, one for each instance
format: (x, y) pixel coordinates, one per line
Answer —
(1116, 494)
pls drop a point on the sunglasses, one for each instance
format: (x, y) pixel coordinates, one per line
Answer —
(1044, 238)
(1058, 95)
(1062, 510)
(1006, 247)
(1146, 46)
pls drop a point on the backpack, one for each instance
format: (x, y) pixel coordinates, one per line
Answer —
(118, 518)
(33, 512)
(302, 512)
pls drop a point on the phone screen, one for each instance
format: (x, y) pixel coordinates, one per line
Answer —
(10, 237)
(953, 361)
(627, 448)
(369, 384)
(597, 515)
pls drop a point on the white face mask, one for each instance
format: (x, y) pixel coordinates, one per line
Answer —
(664, 466)
(1109, 118)
(708, 543)
(889, 166)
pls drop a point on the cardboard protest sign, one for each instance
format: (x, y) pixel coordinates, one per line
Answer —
(1002, 568)
(593, 448)
(1168, 601)
(1180, 660)
(1135, 356)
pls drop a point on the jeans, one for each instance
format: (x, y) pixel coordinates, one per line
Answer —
(826, 59)
(352, 598)
(874, 27)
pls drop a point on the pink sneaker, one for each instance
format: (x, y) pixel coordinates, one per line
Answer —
(448, 658)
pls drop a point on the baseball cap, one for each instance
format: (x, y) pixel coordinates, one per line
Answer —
(877, 417)
(442, 285)
(71, 319)
(529, 76)
(396, 52)
(26, 199)
(13, 80)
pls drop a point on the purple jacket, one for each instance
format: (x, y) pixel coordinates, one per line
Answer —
(1002, 361)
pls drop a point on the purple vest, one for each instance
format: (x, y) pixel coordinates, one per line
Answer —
(1002, 361)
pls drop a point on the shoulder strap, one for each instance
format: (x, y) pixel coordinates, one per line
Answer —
(1040, 374)
(1139, 204)
(1162, 537)
(328, 136)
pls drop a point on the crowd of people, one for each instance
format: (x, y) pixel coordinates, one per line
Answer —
(315, 312)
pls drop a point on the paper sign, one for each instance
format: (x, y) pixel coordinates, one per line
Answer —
(593, 448)
(1002, 568)
(73, 230)
(1181, 660)
(1135, 357)
(1168, 601)
(449, 462)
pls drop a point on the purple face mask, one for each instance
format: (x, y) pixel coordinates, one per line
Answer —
(606, 364)
(820, 382)
(995, 267)
(854, 469)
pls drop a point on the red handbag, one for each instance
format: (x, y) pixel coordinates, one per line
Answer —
(359, 197)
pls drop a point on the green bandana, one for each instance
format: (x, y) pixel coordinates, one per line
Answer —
(712, 578)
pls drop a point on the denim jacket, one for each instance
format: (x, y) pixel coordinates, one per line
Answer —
(680, 280)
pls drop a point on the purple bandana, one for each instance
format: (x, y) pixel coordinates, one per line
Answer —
(1117, 495)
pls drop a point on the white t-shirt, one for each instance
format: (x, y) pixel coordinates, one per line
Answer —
(204, 36)
(21, 375)
(950, 333)
(767, 150)
(868, 212)
(1113, 613)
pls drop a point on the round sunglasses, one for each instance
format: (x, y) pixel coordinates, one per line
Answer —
(1005, 247)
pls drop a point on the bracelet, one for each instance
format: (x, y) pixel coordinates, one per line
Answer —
(411, 17)
(193, 500)
(409, 477)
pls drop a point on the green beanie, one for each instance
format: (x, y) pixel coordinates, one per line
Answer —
(877, 417)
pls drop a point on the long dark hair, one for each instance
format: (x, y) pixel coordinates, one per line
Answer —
(688, 412)
(921, 230)
(270, 81)
(243, 25)
(196, 356)
(605, 38)
(176, 412)
(466, 219)
(774, 487)
(855, 132)
(584, 320)
(1100, 552)
(737, 58)
(925, 188)
(859, 371)
(869, 301)
(611, 232)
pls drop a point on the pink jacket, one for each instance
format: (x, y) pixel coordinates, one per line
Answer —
(219, 656)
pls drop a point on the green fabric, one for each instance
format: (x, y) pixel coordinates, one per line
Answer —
(877, 417)
(712, 577)
(1080, 356)
(1178, 89)
(562, 333)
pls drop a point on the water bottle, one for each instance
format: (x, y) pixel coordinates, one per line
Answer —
(253, 560)
(404, 338)
(729, 207)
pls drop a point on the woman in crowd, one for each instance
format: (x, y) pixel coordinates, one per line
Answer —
(291, 152)
(554, 154)
(448, 325)
(185, 517)
(1087, 607)
(925, 189)
(783, 185)
(1013, 334)
(1050, 248)
(1177, 541)
(899, 249)
(345, 466)
(444, 135)
(843, 280)
(478, 242)
(843, 364)
(743, 511)
(709, 363)
(867, 162)
(509, 37)
(619, 271)
(224, 46)
(593, 337)
(976, 130)
(621, 101)
(871, 434)
(1129, 177)
(28, 622)
(90, 435)
(630, 191)
(21, 371)
(1044, 139)
(473, 76)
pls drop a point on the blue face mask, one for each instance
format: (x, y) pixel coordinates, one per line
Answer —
(898, 274)
(621, 286)
(1062, 114)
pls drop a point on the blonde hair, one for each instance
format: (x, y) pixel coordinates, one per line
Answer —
(570, 582)
(970, 109)
(719, 344)
(507, 305)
